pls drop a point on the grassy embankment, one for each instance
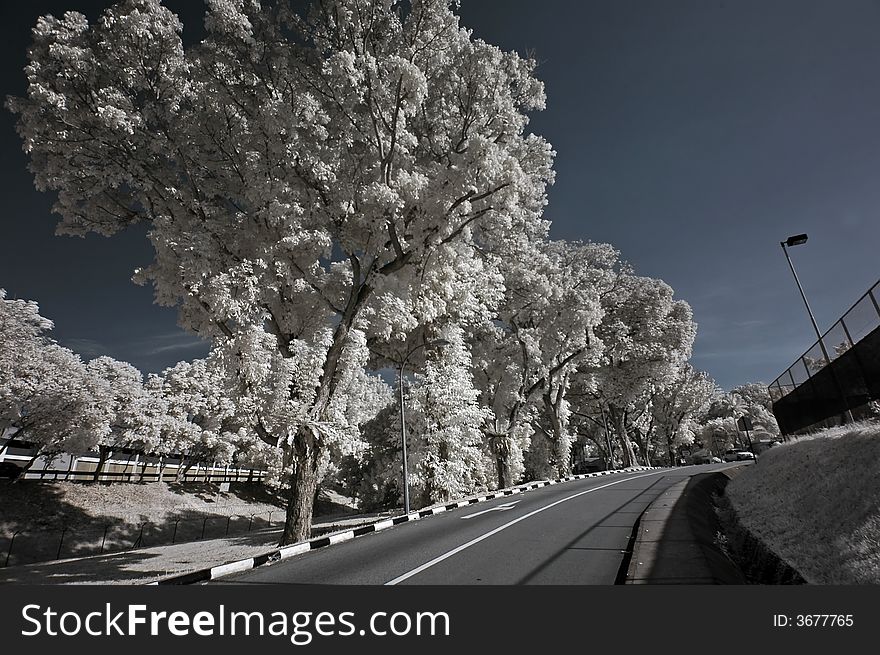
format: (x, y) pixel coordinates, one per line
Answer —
(815, 503)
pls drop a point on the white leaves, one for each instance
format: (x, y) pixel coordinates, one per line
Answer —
(313, 185)
(227, 17)
(45, 390)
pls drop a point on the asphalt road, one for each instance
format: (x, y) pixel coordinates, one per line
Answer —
(575, 532)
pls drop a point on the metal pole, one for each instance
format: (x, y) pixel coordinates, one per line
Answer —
(608, 444)
(807, 304)
(403, 436)
(818, 334)
(751, 447)
(11, 542)
(431, 344)
(61, 542)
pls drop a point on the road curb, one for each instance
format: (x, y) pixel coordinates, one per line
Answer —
(285, 552)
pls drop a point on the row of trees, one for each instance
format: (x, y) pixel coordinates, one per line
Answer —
(514, 397)
(52, 399)
(326, 191)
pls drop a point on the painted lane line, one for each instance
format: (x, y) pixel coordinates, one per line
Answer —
(477, 540)
(497, 508)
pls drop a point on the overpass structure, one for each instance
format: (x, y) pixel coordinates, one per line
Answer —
(843, 377)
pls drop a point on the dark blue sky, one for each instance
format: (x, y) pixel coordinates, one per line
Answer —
(694, 135)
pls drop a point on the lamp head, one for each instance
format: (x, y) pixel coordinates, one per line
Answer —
(796, 240)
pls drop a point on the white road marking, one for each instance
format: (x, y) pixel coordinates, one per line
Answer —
(477, 540)
(499, 508)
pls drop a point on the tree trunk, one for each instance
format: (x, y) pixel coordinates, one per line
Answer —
(627, 452)
(502, 456)
(125, 469)
(503, 483)
(103, 454)
(561, 464)
(670, 449)
(303, 487)
(304, 478)
(48, 463)
(183, 470)
(642, 444)
(30, 463)
(6, 444)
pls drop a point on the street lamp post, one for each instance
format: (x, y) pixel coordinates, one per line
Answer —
(797, 240)
(438, 343)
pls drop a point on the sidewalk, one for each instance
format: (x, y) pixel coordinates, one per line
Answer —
(149, 565)
(676, 540)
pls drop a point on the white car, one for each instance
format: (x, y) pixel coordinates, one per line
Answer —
(737, 455)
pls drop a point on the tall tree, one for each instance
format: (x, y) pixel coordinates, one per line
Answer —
(46, 392)
(542, 333)
(118, 388)
(290, 169)
(447, 417)
(677, 404)
(646, 334)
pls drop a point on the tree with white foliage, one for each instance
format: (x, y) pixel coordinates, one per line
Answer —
(646, 335)
(501, 376)
(201, 424)
(556, 331)
(118, 389)
(677, 404)
(46, 392)
(543, 331)
(445, 417)
(291, 170)
(752, 401)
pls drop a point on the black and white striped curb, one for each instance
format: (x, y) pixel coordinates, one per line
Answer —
(287, 552)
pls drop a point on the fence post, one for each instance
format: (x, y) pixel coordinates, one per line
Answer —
(104, 538)
(251, 522)
(11, 542)
(137, 542)
(61, 542)
(228, 519)
(174, 534)
(204, 523)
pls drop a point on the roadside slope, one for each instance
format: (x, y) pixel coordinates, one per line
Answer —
(815, 502)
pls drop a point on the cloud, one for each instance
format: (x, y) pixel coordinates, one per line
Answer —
(87, 348)
(169, 343)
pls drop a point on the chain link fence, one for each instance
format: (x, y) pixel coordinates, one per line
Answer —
(839, 373)
(28, 546)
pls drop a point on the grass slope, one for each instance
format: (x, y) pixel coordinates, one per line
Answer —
(815, 502)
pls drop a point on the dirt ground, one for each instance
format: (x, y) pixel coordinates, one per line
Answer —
(45, 521)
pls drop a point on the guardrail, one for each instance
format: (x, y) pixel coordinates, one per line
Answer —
(858, 322)
(133, 467)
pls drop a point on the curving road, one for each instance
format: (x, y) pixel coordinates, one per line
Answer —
(576, 532)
